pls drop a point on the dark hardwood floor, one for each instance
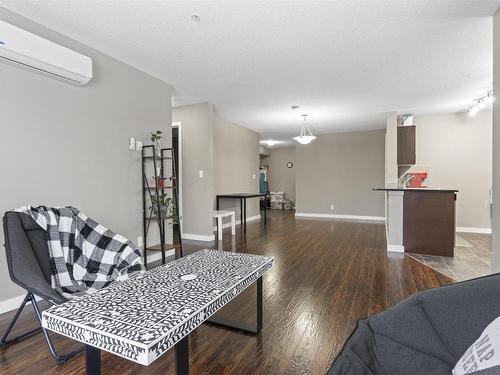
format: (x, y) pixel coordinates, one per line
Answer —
(327, 275)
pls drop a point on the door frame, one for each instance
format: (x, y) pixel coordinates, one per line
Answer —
(178, 125)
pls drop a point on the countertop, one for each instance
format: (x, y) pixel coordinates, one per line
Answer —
(388, 188)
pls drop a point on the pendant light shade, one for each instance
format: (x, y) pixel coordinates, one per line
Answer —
(305, 135)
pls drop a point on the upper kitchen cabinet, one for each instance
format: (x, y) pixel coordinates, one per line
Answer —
(406, 145)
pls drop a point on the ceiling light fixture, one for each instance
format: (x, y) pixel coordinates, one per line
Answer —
(269, 142)
(305, 135)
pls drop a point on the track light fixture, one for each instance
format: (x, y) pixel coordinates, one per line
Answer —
(481, 103)
(489, 97)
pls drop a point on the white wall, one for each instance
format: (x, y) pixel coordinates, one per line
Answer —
(236, 163)
(391, 148)
(457, 148)
(197, 154)
(64, 145)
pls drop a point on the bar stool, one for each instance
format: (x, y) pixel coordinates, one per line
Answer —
(219, 215)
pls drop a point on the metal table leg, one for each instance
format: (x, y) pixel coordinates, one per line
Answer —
(241, 214)
(92, 360)
(265, 210)
(249, 328)
(245, 214)
(182, 357)
(259, 305)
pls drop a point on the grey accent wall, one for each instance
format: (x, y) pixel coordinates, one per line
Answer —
(197, 154)
(341, 169)
(64, 145)
(236, 164)
(391, 148)
(457, 150)
(282, 178)
(496, 144)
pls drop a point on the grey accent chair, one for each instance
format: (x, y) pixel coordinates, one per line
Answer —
(425, 334)
(28, 261)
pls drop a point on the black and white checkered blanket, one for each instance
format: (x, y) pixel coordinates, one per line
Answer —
(84, 255)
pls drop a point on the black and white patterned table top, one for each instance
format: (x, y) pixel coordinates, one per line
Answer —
(141, 318)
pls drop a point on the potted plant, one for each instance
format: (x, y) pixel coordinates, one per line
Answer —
(167, 207)
(155, 138)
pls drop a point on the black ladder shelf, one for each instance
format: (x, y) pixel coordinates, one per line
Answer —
(154, 192)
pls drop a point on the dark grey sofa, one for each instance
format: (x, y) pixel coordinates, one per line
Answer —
(426, 334)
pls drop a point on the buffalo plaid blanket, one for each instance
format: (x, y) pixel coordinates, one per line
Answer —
(84, 255)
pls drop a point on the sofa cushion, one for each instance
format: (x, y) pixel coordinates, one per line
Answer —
(358, 358)
(424, 334)
(489, 371)
(396, 358)
(460, 312)
(407, 324)
(370, 353)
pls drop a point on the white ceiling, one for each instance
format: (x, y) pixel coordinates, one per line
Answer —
(345, 62)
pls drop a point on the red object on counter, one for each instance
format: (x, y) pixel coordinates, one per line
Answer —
(418, 178)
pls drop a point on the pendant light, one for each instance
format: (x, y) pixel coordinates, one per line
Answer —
(305, 135)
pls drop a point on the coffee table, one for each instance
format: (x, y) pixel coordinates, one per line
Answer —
(141, 318)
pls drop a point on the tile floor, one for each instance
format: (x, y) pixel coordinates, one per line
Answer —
(472, 257)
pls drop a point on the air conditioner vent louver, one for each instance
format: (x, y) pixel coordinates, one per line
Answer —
(31, 52)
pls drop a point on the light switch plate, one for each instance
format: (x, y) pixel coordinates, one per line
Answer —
(200, 173)
(253, 176)
(131, 143)
(140, 243)
(138, 145)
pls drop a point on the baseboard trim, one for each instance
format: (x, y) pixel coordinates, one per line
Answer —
(198, 237)
(13, 303)
(238, 222)
(396, 248)
(347, 217)
(474, 230)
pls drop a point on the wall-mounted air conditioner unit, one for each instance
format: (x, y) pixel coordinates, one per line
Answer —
(31, 52)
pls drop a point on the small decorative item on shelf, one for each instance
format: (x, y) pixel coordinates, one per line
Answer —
(167, 207)
(155, 138)
(159, 182)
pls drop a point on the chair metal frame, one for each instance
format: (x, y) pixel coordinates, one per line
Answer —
(49, 295)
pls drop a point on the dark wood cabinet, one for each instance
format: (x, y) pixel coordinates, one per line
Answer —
(429, 222)
(406, 145)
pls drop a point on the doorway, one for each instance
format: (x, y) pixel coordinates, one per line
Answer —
(177, 146)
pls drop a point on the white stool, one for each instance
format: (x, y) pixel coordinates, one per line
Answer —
(219, 215)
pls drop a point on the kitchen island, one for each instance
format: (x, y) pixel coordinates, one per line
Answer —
(420, 220)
